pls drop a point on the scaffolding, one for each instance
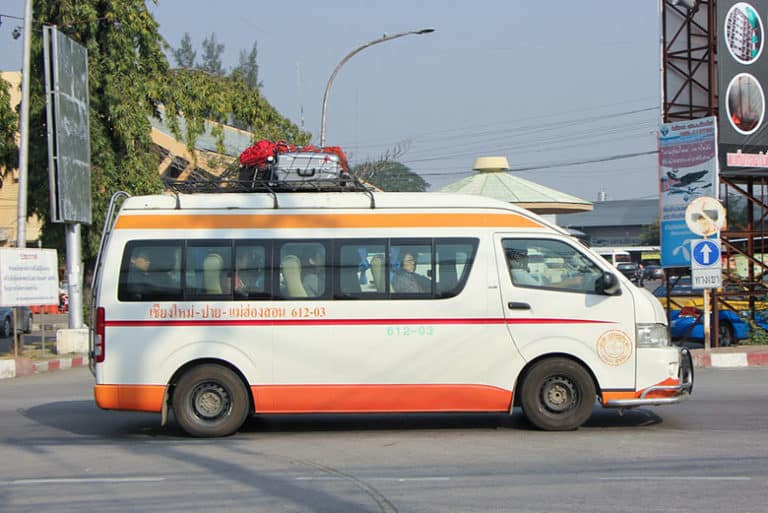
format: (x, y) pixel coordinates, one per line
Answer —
(689, 91)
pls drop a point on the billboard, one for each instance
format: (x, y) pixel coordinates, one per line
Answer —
(742, 72)
(687, 170)
(69, 146)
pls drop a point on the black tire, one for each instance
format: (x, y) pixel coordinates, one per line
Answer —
(725, 334)
(210, 401)
(7, 327)
(557, 395)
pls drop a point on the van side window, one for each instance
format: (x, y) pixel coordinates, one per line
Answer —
(303, 270)
(150, 271)
(361, 269)
(208, 271)
(549, 264)
(250, 277)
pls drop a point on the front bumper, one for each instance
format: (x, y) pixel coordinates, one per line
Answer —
(673, 393)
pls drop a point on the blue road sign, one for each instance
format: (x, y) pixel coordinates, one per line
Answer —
(705, 253)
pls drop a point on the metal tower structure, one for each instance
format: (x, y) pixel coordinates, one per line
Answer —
(689, 91)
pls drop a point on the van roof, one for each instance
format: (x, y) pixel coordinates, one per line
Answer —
(326, 200)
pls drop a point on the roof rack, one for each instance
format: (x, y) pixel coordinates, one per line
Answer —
(240, 179)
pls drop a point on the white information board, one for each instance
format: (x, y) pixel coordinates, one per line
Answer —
(28, 277)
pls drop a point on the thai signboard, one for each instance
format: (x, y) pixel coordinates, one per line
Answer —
(28, 277)
(687, 170)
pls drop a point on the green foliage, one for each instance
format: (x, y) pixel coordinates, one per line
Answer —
(649, 234)
(9, 152)
(129, 80)
(185, 55)
(389, 175)
(211, 58)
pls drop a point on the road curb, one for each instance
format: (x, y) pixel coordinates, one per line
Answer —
(17, 367)
(729, 359)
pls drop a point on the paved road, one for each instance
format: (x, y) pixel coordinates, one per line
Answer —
(60, 453)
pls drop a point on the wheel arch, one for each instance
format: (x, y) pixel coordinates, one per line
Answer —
(531, 363)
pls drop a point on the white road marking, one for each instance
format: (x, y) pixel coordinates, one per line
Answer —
(677, 478)
(368, 479)
(80, 480)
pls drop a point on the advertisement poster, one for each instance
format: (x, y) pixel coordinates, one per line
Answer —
(687, 170)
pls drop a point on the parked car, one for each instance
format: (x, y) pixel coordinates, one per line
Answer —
(632, 271)
(686, 319)
(654, 272)
(6, 320)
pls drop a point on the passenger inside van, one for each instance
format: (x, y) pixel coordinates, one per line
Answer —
(406, 280)
(519, 270)
(249, 272)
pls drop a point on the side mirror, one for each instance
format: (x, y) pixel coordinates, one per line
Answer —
(608, 284)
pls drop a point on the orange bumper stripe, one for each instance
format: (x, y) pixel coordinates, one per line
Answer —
(379, 398)
(611, 396)
(129, 397)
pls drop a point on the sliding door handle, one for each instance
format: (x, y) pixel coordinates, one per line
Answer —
(514, 305)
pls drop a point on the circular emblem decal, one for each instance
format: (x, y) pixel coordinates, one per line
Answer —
(614, 347)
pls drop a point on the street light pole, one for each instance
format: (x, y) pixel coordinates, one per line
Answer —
(349, 56)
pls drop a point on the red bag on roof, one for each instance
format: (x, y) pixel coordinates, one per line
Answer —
(258, 154)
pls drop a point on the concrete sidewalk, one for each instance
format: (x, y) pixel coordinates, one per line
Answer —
(22, 366)
(734, 356)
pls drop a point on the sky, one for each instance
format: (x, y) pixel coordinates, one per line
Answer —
(568, 91)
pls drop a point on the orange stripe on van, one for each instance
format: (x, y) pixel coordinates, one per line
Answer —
(129, 397)
(629, 394)
(379, 398)
(282, 221)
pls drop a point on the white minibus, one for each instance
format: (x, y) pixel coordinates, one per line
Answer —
(223, 305)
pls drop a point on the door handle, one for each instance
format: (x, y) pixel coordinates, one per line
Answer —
(514, 305)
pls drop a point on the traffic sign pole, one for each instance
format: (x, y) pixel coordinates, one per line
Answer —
(707, 337)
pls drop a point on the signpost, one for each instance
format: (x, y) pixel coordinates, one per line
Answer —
(705, 216)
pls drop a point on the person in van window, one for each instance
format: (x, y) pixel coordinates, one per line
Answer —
(313, 272)
(519, 270)
(406, 279)
(249, 272)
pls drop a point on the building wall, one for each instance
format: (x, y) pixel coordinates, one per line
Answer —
(9, 192)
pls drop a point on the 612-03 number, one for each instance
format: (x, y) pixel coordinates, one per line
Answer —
(408, 331)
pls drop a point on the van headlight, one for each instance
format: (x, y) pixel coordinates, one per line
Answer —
(652, 335)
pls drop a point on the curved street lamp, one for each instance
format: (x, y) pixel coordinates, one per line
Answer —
(349, 56)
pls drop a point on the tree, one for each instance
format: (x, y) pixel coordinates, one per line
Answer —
(185, 55)
(248, 67)
(211, 58)
(389, 175)
(130, 81)
(649, 234)
(9, 125)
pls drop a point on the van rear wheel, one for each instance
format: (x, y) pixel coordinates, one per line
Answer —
(557, 395)
(209, 401)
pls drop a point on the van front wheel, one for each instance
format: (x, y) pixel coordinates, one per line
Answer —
(209, 401)
(557, 395)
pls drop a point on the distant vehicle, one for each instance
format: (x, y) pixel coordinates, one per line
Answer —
(632, 271)
(654, 272)
(686, 319)
(6, 320)
(614, 256)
